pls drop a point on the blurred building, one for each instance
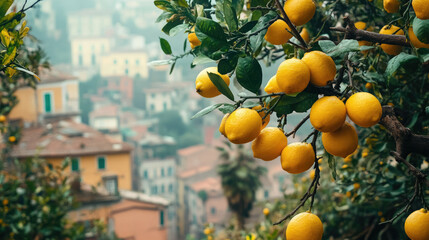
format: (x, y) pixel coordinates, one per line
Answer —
(89, 23)
(130, 63)
(87, 51)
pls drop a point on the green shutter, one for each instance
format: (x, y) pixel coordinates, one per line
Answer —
(101, 163)
(161, 218)
(75, 164)
(48, 103)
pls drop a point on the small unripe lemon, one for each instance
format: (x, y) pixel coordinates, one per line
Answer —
(300, 11)
(205, 86)
(322, 67)
(388, 48)
(269, 144)
(342, 142)
(391, 6)
(277, 33)
(293, 76)
(421, 8)
(272, 86)
(243, 125)
(328, 114)
(304, 226)
(417, 225)
(364, 109)
(297, 157)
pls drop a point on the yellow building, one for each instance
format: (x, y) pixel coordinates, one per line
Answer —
(94, 157)
(57, 95)
(86, 51)
(128, 63)
(89, 23)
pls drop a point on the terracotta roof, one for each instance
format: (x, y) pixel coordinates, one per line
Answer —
(63, 139)
(54, 75)
(208, 184)
(191, 150)
(105, 111)
(195, 171)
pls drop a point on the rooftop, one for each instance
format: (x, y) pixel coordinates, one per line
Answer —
(54, 75)
(131, 195)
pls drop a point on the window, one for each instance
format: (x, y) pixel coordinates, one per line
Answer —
(161, 218)
(154, 173)
(93, 60)
(170, 188)
(137, 62)
(152, 107)
(47, 97)
(145, 174)
(101, 163)
(111, 184)
(162, 188)
(80, 60)
(126, 71)
(154, 189)
(162, 172)
(213, 210)
(170, 171)
(75, 164)
(266, 194)
(126, 61)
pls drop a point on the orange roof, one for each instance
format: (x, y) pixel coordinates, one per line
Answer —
(191, 150)
(208, 184)
(194, 171)
(65, 139)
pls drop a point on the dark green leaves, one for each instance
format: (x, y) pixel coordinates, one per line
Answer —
(228, 63)
(170, 25)
(248, 26)
(300, 103)
(230, 15)
(257, 40)
(345, 46)
(4, 6)
(206, 110)
(249, 73)
(221, 85)
(165, 46)
(421, 29)
(208, 28)
(163, 5)
(402, 60)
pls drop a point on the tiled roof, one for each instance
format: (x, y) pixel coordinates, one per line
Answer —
(208, 184)
(195, 171)
(63, 139)
(132, 195)
(54, 75)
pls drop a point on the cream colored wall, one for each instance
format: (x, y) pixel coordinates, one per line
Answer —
(109, 68)
(57, 98)
(26, 109)
(88, 46)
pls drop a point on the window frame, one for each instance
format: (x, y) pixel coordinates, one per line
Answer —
(105, 163)
(51, 98)
(78, 164)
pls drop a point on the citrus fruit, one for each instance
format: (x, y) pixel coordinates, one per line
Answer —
(265, 120)
(300, 11)
(362, 26)
(192, 38)
(297, 157)
(388, 48)
(12, 139)
(207, 231)
(266, 211)
(415, 41)
(272, 86)
(277, 33)
(222, 124)
(342, 142)
(328, 114)
(305, 35)
(421, 8)
(304, 226)
(292, 76)
(322, 67)
(364, 109)
(312, 174)
(369, 86)
(269, 144)
(205, 86)
(417, 225)
(243, 125)
(391, 6)
(2, 118)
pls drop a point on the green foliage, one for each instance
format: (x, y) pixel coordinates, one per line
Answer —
(421, 29)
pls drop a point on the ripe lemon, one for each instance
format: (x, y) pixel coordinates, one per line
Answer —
(415, 41)
(300, 11)
(421, 8)
(207, 231)
(269, 144)
(322, 67)
(328, 114)
(297, 157)
(362, 26)
(277, 33)
(388, 48)
(272, 86)
(192, 38)
(12, 139)
(305, 35)
(312, 174)
(222, 124)
(293, 76)
(2, 118)
(417, 225)
(205, 86)
(265, 120)
(391, 6)
(364, 109)
(243, 125)
(342, 142)
(266, 211)
(304, 226)
(369, 86)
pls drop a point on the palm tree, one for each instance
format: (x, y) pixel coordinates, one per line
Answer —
(240, 176)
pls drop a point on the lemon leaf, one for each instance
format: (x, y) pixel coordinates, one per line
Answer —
(249, 73)
(206, 110)
(402, 60)
(4, 6)
(165, 46)
(221, 85)
(421, 29)
(230, 16)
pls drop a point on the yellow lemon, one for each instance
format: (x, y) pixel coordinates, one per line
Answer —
(305, 35)
(369, 86)
(12, 139)
(304, 226)
(207, 231)
(243, 125)
(277, 33)
(297, 157)
(356, 186)
(391, 6)
(192, 38)
(269, 144)
(348, 159)
(222, 124)
(364, 109)
(205, 86)
(312, 174)
(293, 76)
(322, 67)
(2, 118)
(415, 41)
(266, 211)
(342, 142)
(417, 225)
(300, 11)
(362, 26)
(421, 8)
(328, 114)
(388, 48)
(265, 120)
(272, 86)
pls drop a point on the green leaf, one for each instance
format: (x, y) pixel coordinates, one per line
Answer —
(221, 85)
(165, 46)
(209, 46)
(257, 40)
(248, 26)
(421, 29)
(172, 67)
(226, 65)
(170, 25)
(182, 3)
(28, 72)
(202, 59)
(401, 60)
(299, 103)
(227, 108)
(163, 16)
(250, 104)
(424, 54)
(179, 29)
(345, 46)
(206, 110)
(249, 73)
(326, 45)
(163, 5)
(4, 6)
(230, 16)
(332, 165)
(208, 28)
